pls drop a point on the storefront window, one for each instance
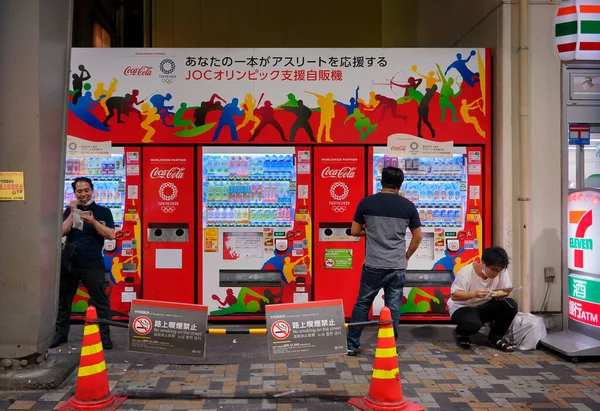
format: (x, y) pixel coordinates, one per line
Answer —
(591, 160)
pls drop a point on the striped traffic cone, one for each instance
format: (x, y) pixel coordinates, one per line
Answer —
(91, 391)
(385, 392)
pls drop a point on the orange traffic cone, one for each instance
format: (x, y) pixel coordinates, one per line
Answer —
(385, 392)
(91, 391)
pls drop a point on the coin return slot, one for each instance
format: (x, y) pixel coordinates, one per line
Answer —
(168, 232)
(337, 232)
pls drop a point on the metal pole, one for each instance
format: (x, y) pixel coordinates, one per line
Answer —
(222, 331)
(525, 156)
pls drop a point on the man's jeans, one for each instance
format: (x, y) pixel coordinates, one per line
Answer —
(371, 281)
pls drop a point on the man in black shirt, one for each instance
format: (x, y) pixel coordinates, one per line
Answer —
(86, 225)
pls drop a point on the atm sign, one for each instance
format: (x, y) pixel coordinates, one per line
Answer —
(581, 243)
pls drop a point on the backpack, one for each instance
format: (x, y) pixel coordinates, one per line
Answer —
(526, 331)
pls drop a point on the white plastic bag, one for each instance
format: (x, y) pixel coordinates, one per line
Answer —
(526, 331)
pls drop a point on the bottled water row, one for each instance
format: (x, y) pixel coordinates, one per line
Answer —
(217, 217)
(249, 166)
(110, 166)
(245, 192)
(422, 166)
(441, 216)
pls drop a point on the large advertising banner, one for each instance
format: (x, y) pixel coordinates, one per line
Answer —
(268, 96)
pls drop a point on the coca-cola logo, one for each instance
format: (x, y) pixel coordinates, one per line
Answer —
(173, 172)
(343, 172)
(138, 71)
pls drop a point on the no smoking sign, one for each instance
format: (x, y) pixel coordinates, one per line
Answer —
(142, 325)
(280, 330)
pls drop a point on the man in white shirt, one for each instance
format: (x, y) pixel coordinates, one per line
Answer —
(479, 295)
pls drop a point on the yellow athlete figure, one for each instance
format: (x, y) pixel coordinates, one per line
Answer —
(249, 105)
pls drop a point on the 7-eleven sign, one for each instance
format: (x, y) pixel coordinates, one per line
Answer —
(584, 231)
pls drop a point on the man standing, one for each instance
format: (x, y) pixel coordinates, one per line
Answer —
(86, 225)
(383, 219)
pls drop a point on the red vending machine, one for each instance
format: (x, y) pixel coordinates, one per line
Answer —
(223, 148)
(113, 177)
(447, 186)
(169, 224)
(339, 184)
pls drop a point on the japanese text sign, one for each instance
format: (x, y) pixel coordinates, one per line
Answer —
(168, 328)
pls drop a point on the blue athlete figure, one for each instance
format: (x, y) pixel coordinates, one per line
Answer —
(353, 103)
(447, 262)
(460, 65)
(230, 110)
(83, 110)
(158, 101)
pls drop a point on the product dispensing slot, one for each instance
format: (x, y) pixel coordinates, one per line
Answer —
(426, 278)
(249, 278)
(168, 232)
(339, 232)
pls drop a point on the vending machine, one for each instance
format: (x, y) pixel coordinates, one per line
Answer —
(169, 181)
(255, 248)
(114, 172)
(339, 184)
(447, 191)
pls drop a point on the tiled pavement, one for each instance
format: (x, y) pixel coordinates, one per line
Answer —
(435, 373)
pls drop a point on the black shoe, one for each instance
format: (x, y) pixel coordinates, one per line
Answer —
(352, 353)
(58, 340)
(107, 344)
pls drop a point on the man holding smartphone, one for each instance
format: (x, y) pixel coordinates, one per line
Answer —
(479, 295)
(86, 225)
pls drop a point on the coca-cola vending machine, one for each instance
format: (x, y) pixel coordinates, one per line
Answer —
(256, 229)
(339, 185)
(169, 224)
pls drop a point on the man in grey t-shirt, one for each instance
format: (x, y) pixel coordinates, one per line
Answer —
(383, 219)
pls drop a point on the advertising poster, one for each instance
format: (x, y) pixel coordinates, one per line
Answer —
(11, 186)
(584, 231)
(169, 179)
(211, 240)
(242, 245)
(316, 96)
(340, 178)
(584, 300)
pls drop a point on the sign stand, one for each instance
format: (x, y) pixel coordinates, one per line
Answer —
(582, 305)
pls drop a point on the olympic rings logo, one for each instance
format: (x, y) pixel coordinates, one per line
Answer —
(167, 209)
(167, 80)
(339, 209)
(164, 187)
(335, 194)
(167, 66)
